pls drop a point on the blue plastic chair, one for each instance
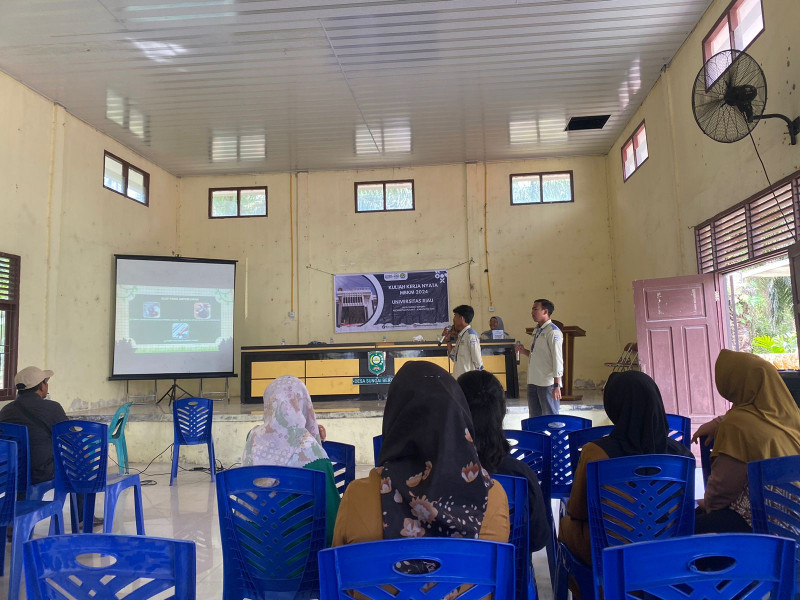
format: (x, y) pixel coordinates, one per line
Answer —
(272, 525)
(99, 566)
(367, 568)
(80, 453)
(558, 427)
(191, 423)
(117, 435)
(775, 499)
(516, 489)
(22, 515)
(343, 458)
(742, 566)
(377, 442)
(577, 440)
(705, 456)
(26, 489)
(680, 429)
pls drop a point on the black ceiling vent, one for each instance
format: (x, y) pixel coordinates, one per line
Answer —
(583, 123)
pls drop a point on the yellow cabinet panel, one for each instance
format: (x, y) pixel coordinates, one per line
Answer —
(273, 369)
(442, 361)
(345, 367)
(257, 386)
(495, 364)
(325, 386)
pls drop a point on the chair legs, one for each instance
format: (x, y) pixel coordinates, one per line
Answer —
(23, 530)
(113, 492)
(176, 449)
(211, 460)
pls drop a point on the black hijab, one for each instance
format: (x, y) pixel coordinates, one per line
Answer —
(633, 403)
(432, 483)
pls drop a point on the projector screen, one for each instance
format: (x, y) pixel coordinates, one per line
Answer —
(174, 317)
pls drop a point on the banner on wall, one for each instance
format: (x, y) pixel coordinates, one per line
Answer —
(391, 301)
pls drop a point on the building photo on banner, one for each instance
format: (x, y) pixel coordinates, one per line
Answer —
(391, 301)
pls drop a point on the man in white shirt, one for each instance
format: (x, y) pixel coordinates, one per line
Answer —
(466, 351)
(546, 365)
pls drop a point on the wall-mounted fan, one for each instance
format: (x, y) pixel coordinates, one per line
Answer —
(729, 98)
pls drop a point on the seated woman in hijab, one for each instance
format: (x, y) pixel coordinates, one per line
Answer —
(487, 403)
(764, 422)
(633, 403)
(495, 324)
(290, 437)
(429, 481)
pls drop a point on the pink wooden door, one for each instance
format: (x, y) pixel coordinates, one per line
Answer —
(678, 330)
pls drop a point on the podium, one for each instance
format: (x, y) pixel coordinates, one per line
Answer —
(567, 352)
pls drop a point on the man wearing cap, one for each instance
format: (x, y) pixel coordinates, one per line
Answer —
(38, 414)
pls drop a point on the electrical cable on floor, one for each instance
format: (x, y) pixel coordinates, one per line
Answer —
(219, 467)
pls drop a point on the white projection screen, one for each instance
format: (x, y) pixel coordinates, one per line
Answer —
(174, 317)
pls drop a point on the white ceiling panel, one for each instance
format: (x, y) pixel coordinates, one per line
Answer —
(235, 86)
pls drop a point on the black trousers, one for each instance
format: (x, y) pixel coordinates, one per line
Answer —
(724, 520)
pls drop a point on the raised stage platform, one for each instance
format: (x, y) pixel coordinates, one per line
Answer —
(149, 430)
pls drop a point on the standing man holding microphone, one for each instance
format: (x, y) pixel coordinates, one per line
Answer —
(466, 352)
(546, 365)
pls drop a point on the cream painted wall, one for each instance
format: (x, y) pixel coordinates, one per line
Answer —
(66, 227)
(689, 177)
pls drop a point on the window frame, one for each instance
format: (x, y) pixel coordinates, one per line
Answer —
(726, 14)
(238, 191)
(126, 166)
(540, 174)
(11, 308)
(383, 182)
(632, 140)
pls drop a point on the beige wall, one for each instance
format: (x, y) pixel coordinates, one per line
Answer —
(689, 177)
(66, 227)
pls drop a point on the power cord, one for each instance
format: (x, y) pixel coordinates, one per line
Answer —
(218, 467)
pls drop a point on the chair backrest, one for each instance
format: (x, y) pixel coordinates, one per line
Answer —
(516, 489)
(93, 566)
(377, 442)
(368, 569)
(118, 421)
(343, 458)
(558, 428)
(8, 481)
(719, 566)
(19, 434)
(191, 420)
(534, 450)
(80, 455)
(637, 499)
(577, 439)
(680, 429)
(272, 525)
(705, 456)
(775, 498)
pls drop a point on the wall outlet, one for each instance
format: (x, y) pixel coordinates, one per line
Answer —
(491, 309)
(291, 315)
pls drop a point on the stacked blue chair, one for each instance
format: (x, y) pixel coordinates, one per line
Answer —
(371, 568)
(26, 489)
(579, 438)
(558, 428)
(80, 453)
(377, 442)
(732, 566)
(775, 499)
(343, 458)
(96, 567)
(705, 456)
(21, 515)
(680, 429)
(191, 423)
(516, 489)
(634, 499)
(272, 525)
(117, 435)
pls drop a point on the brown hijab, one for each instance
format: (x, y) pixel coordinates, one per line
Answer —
(764, 421)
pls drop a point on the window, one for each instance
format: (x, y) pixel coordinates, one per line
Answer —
(634, 152)
(9, 321)
(737, 28)
(752, 231)
(538, 188)
(378, 196)
(237, 202)
(122, 177)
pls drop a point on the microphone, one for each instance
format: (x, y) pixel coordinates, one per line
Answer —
(516, 348)
(441, 338)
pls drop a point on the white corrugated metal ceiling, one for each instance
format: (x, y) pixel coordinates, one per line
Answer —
(226, 86)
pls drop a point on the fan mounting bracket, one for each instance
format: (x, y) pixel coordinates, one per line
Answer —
(793, 126)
